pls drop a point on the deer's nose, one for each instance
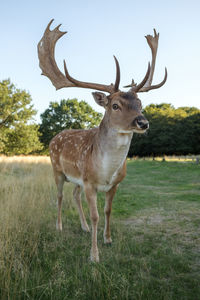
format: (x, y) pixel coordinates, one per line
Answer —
(142, 122)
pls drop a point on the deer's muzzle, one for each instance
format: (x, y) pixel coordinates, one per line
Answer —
(141, 123)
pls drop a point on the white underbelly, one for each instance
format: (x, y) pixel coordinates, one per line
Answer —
(104, 187)
(74, 180)
(99, 187)
(108, 172)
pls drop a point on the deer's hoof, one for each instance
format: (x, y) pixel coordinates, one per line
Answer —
(94, 257)
(107, 240)
(59, 226)
(85, 227)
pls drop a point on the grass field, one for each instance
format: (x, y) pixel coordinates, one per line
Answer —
(155, 229)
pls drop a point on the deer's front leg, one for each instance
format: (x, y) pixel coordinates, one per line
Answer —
(91, 196)
(107, 210)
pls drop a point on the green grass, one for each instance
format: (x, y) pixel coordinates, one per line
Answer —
(155, 230)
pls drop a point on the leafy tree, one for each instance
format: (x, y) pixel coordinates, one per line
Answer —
(23, 139)
(15, 105)
(68, 114)
(16, 111)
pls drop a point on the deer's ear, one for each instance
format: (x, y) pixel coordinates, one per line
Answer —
(100, 98)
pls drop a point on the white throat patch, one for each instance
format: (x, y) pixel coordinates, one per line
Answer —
(125, 131)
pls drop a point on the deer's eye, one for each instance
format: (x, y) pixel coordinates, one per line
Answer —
(115, 106)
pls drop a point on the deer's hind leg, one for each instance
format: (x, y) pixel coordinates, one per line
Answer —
(59, 179)
(77, 198)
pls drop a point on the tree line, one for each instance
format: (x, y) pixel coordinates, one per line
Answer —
(173, 131)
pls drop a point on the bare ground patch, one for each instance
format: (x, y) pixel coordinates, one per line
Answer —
(177, 230)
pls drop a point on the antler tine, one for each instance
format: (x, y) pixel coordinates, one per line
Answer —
(142, 83)
(156, 86)
(153, 44)
(133, 84)
(46, 50)
(96, 86)
(137, 87)
(117, 80)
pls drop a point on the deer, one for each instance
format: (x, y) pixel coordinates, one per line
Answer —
(95, 159)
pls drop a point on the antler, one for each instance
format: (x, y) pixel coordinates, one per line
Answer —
(46, 50)
(153, 44)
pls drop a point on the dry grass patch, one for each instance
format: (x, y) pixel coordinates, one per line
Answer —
(24, 159)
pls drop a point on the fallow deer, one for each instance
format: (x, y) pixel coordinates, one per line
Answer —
(95, 159)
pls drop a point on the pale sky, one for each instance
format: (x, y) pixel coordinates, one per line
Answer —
(96, 31)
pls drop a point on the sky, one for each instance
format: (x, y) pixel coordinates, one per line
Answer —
(97, 30)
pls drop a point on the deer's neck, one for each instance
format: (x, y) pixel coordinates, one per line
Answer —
(113, 146)
(112, 140)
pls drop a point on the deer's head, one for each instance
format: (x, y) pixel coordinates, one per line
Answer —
(123, 110)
